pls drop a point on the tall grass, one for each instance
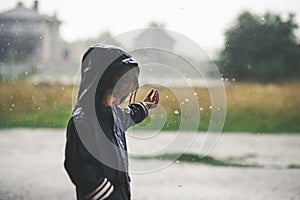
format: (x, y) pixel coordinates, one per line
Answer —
(251, 107)
(263, 108)
(29, 105)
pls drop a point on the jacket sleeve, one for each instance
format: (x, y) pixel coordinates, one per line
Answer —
(131, 115)
(80, 166)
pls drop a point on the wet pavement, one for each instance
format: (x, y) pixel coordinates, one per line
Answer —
(31, 163)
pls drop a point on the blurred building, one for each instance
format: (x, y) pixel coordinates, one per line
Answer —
(154, 40)
(155, 36)
(168, 60)
(26, 35)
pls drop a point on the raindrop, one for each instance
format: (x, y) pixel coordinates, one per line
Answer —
(195, 94)
(39, 108)
(210, 107)
(13, 105)
(226, 79)
(151, 70)
(176, 112)
(40, 37)
(233, 79)
(177, 161)
(222, 79)
(186, 100)
(201, 108)
(26, 73)
(167, 96)
(182, 103)
(63, 88)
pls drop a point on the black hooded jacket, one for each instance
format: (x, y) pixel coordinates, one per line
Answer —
(96, 157)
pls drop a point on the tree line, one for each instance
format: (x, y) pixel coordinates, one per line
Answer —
(261, 48)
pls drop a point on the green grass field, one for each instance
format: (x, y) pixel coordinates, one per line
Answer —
(251, 107)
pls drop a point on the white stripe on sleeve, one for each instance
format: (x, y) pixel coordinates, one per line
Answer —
(101, 192)
(89, 195)
(108, 193)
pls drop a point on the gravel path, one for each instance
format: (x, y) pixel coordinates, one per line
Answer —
(31, 163)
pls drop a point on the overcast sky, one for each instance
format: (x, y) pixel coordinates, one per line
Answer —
(202, 21)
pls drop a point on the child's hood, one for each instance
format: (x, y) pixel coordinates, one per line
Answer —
(99, 64)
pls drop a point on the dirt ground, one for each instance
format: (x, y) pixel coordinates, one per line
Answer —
(31, 167)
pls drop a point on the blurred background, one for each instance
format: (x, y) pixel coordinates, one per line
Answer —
(254, 44)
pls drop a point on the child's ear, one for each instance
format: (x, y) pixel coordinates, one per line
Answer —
(107, 97)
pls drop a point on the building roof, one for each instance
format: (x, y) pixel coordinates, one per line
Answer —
(22, 13)
(155, 36)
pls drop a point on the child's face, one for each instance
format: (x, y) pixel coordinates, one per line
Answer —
(127, 84)
(119, 97)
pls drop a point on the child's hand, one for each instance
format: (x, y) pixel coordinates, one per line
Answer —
(152, 99)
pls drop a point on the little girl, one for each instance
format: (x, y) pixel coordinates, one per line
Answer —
(96, 157)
